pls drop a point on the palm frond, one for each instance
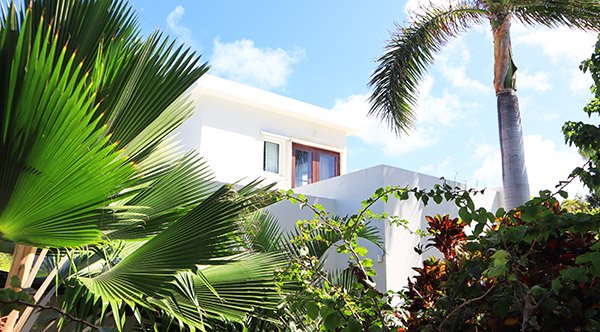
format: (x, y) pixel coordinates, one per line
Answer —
(55, 167)
(236, 290)
(261, 232)
(206, 235)
(577, 14)
(167, 198)
(323, 239)
(410, 51)
(145, 88)
(344, 278)
(84, 26)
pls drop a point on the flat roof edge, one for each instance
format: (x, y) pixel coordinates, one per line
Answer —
(226, 89)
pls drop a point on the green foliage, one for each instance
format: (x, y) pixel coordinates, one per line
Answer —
(579, 204)
(584, 136)
(349, 300)
(534, 267)
(11, 299)
(88, 170)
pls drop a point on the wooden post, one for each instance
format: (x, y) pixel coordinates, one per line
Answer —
(23, 257)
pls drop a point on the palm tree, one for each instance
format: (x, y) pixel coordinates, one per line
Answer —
(93, 181)
(412, 48)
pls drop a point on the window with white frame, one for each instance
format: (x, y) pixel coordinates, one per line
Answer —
(271, 157)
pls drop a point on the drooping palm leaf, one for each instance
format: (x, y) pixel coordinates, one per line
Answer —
(579, 14)
(411, 50)
(205, 235)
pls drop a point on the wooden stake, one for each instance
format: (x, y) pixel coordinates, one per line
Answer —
(21, 267)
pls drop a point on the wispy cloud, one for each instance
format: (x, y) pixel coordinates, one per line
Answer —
(183, 33)
(443, 168)
(242, 61)
(452, 63)
(353, 111)
(538, 81)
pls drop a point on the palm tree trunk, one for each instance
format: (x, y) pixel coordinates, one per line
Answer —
(514, 172)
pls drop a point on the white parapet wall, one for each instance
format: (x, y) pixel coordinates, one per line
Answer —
(343, 195)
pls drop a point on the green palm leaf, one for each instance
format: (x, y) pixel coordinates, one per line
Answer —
(142, 88)
(206, 235)
(56, 166)
(167, 198)
(261, 232)
(411, 50)
(236, 289)
(580, 14)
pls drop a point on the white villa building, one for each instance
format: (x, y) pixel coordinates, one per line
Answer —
(248, 133)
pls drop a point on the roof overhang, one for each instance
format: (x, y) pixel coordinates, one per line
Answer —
(267, 101)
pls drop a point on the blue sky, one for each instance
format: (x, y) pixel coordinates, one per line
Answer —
(323, 52)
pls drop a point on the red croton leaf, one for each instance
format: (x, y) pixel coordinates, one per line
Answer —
(447, 234)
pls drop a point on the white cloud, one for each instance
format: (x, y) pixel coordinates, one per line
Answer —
(532, 111)
(580, 81)
(546, 163)
(444, 110)
(538, 81)
(443, 168)
(559, 44)
(242, 61)
(452, 63)
(353, 110)
(182, 33)
(563, 46)
(433, 114)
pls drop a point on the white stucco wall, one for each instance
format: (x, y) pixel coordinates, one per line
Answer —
(394, 265)
(232, 121)
(229, 127)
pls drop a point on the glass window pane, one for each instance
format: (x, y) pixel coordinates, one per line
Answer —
(303, 168)
(327, 166)
(271, 157)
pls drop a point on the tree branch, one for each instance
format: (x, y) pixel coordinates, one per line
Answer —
(49, 307)
(464, 304)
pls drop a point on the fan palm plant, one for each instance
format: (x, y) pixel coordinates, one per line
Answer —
(87, 164)
(412, 48)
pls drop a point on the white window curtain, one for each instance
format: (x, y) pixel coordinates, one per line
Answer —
(271, 157)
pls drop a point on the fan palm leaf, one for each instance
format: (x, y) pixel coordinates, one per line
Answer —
(86, 162)
(227, 292)
(56, 165)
